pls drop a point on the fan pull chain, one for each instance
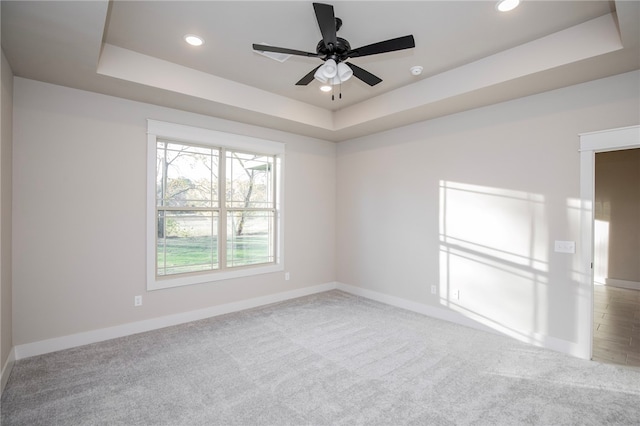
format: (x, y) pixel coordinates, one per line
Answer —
(333, 98)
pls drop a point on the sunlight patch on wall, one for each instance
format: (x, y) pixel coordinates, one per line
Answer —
(494, 250)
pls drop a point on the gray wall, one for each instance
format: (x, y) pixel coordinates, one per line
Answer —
(6, 112)
(618, 207)
(79, 214)
(473, 202)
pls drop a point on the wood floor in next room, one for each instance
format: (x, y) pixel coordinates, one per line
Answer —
(616, 325)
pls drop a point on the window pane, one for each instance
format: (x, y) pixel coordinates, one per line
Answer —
(186, 176)
(249, 237)
(249, 180)
(187, 242)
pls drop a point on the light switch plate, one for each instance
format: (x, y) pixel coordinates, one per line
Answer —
(565, 246)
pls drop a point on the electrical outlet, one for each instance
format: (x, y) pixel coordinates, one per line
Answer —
(434, 289)
(287, 277)
(137, 301)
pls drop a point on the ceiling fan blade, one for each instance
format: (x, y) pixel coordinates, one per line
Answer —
(326, 22)
(364, 75)
(265, 48)
(308, 78)
(391, 45)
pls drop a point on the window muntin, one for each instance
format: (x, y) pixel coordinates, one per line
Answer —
(255, 244)
(249, 180)
(186, 175)
(186, 206)
(250, 208)
(194, 213)
(187, 241)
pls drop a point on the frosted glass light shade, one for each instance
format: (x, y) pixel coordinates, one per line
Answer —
(330, 68)
(344, 71)
(319, 75)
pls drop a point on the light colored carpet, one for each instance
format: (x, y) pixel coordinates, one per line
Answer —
(326, 359)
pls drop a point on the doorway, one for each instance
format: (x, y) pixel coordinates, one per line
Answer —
(590, 144)
(616, 300)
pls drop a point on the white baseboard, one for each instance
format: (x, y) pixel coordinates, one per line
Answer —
(71, 341)
(535, 339)
(80, 339)
(6, 369)
(431, 311)
(632, 285)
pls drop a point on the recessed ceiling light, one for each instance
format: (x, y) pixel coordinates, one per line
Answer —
(507, 5)
(325, 88)
(193, 40)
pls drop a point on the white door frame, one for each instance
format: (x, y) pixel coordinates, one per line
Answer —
(590, 144)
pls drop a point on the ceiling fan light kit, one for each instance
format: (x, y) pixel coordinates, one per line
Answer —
(333, 73)
(334, 51)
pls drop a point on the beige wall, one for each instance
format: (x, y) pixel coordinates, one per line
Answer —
(469, 202)
(79, 214)
(473, 202)
(6, 112)
(618, 208)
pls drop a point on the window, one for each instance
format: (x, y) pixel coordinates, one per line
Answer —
(212, 206)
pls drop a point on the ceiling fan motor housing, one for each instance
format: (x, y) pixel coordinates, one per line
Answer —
(337, 52)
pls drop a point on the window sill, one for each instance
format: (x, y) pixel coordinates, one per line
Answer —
(159, 283)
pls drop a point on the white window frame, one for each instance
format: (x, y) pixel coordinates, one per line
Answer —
(188, 134)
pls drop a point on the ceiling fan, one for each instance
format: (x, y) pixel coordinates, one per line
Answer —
(334, 51)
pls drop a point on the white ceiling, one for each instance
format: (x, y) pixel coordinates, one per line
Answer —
(472, 55)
